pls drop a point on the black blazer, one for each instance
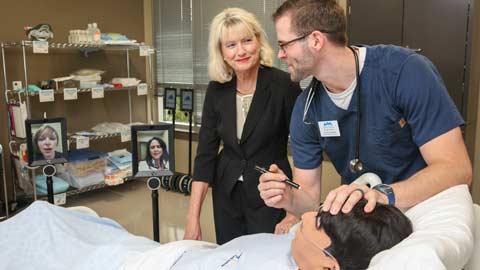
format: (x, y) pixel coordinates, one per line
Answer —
(264, 138)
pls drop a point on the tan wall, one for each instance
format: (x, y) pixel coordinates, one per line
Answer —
(120, 16)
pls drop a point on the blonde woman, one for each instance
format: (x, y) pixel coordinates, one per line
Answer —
(247, 107)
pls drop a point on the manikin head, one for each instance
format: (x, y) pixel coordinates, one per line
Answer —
(348, 241)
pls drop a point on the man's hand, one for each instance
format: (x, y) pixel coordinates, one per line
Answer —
(273, 190)
(346, 196)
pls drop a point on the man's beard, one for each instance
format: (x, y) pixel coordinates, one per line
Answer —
(298, 74)
(301, 68)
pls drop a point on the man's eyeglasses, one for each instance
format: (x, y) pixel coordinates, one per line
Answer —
(284, 45)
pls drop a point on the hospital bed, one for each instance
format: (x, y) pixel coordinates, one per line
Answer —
(50, 237)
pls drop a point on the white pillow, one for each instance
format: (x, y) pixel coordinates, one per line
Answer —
(474, 263)
(442, 238)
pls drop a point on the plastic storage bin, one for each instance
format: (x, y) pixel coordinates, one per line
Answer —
(86, 167)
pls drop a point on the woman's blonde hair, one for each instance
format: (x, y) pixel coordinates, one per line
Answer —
(238, 20)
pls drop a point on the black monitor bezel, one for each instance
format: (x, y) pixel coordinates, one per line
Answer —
(185, 91)
(166, 105)
(30, 153)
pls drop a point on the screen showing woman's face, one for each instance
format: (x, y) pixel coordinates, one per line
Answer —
(156, 150)
(47, 143)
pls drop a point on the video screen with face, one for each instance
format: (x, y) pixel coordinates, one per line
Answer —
(46, 141)
(152, 150)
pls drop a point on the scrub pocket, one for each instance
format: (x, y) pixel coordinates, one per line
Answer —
(394, 144)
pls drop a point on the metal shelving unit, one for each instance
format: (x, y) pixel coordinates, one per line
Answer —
(27, 46)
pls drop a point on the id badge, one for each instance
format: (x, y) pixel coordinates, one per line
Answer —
(329, 128)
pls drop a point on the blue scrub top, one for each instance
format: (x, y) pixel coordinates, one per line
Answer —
(404, 104)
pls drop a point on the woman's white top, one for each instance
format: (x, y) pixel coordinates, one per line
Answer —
(243, 106)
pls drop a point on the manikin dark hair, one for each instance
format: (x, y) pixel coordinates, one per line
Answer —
(163, 157)
(357, 236)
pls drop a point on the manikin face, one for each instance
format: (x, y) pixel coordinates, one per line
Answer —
(47, 142)
(156, 150)
(241, 51)
(309, 244)
(296, 54)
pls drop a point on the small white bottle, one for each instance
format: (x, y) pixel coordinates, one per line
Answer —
(77, 36)
(74, 36)
(90, 33)
(97, 34)
(83, 36)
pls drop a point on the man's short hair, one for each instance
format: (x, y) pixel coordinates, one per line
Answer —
(357, 236)
(326, 16)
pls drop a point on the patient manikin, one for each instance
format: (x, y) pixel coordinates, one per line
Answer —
(53, 237)
(323, 241)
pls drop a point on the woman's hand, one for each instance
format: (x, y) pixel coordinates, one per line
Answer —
(193, 231)
(283, 227)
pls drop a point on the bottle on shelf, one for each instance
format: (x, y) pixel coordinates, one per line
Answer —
(90, 33)
(97, 34)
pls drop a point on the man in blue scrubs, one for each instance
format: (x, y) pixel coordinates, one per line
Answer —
(408, 131)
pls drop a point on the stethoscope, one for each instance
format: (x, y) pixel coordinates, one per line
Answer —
(356, 164)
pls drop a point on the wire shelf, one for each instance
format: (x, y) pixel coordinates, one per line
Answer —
(64, 45)
(89, 90)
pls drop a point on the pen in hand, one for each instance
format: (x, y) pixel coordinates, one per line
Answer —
(287, 181)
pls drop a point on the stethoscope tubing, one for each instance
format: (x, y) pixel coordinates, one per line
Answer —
(311, 93)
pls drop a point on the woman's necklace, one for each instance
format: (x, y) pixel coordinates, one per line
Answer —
(247, 92)
(246, 88)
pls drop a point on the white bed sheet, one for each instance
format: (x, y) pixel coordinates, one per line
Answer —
(257, 251)
(44, 236)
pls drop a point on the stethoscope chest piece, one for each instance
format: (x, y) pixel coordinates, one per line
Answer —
(356, 165)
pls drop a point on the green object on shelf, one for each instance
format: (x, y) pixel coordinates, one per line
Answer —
(31, 88)
(59, 185)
